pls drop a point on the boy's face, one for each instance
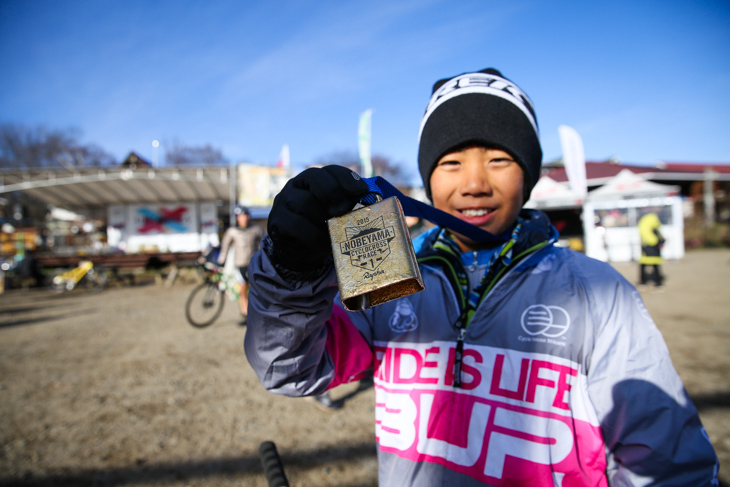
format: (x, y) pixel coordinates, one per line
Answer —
(481, 186)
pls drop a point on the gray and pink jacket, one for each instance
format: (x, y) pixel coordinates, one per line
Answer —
(566, 381)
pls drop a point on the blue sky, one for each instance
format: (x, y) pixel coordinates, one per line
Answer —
(639, 80)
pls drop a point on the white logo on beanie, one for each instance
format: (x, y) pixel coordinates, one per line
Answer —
(484, 83)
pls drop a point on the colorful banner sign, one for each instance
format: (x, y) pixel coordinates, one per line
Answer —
(258, 185)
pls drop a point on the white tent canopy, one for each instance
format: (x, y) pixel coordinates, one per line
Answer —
(611, 214)
(627, 185)
(550, 194)
(84, 188)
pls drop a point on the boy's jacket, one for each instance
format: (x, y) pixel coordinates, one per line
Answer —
(566, 381)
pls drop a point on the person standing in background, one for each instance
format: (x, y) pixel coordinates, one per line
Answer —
(245, 240)
(651, 247)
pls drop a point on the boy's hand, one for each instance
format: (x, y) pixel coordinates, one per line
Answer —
(297, 224)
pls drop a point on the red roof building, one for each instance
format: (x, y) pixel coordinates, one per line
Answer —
(682, 174)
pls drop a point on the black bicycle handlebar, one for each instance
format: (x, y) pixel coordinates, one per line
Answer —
(273, 468)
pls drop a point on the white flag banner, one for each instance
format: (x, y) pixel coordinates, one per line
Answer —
(364, 143)
(283, 157)
(574, 160)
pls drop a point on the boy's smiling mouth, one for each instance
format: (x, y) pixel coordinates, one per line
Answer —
(475, 212)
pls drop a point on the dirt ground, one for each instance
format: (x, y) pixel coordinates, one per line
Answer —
(117, 389)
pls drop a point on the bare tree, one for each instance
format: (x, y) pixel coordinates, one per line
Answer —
(382, 165)
(181, 155)
(390, 170)
(348, 159)
(22, 147)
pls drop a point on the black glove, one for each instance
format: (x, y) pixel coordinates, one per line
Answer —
(297, 223)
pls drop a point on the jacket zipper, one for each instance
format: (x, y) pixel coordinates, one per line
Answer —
(461, 324)
(464, 319)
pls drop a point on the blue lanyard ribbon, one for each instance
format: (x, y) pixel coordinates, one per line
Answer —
(413, 207)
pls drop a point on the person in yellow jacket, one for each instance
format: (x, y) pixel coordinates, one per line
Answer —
(651, 244)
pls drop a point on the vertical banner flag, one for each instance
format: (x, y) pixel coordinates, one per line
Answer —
(364, 143)
(574, 160)
(283, 157)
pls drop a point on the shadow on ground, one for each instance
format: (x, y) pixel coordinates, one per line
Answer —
(706, 402)
(243, 467)
(21, 321)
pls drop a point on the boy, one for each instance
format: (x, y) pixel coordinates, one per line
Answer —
(520, 363)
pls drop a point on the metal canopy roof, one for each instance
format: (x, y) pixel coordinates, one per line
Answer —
(101, 187)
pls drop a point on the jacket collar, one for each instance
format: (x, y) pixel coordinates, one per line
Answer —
(536, 228)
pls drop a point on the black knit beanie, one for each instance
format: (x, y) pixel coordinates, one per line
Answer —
(482, 108)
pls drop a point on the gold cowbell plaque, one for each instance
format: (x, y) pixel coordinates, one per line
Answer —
(374, 256)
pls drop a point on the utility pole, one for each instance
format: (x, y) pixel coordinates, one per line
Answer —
(232, 181)
(709, 197)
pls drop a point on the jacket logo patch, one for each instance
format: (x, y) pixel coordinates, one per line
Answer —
(403, 318)
(546, 321)
(368, 246)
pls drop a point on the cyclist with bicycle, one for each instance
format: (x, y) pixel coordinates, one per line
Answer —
(521, 363)
(244, 239)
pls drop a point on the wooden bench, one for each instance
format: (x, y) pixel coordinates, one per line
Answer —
(123, 267)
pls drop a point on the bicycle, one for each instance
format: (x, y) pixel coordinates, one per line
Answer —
(205, 303)
(84, 275)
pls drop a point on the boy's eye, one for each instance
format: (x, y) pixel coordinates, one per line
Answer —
(448, 163)
(501, 162)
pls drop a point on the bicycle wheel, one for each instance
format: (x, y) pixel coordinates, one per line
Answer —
(95, 281)
(204, 305)
(57, 285)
